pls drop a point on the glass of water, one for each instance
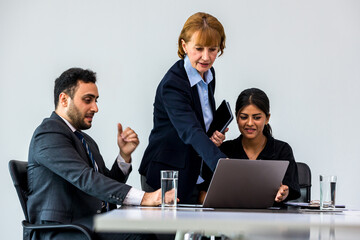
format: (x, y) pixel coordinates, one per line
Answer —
(169, 183)
(327, 191)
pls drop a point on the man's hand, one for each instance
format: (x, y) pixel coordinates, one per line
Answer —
(127, 142)
(169, 197)
(152, 198)
(217, 138)
(282, 193)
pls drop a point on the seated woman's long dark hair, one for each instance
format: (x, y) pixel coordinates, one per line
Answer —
(259, 99)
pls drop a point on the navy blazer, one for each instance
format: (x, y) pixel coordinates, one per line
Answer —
(63, 185)
(178, 140)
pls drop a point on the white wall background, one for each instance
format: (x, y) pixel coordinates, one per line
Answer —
(304, 54)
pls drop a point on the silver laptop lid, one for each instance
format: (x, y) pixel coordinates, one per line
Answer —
(239, 183)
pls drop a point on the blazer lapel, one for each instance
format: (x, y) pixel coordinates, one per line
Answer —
(78, 142)
(211, 88)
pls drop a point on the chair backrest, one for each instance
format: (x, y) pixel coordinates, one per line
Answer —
(304, 173)
(18, 173)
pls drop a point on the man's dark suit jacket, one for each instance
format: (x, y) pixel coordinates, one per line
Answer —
(63, 184)
(178, 140)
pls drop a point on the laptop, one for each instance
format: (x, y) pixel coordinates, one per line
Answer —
(239, 183)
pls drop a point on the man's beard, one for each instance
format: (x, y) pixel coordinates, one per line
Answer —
(76, 118)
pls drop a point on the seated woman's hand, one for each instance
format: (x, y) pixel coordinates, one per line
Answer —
(218, 138)
(282, 193)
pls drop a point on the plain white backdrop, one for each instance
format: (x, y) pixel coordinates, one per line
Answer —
(304, 54)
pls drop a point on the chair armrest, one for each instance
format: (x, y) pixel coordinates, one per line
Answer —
(79, 227)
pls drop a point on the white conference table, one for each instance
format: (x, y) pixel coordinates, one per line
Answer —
(236, 224)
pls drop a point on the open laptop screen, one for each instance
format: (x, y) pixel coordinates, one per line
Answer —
(238, 183)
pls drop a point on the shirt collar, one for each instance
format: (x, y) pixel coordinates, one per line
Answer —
(69, 124)
(194, 75)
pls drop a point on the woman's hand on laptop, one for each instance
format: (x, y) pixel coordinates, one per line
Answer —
(282, 193)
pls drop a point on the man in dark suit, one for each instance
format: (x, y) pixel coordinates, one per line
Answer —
(68, 179)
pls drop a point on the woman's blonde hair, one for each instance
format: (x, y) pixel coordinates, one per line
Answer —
(211, 32)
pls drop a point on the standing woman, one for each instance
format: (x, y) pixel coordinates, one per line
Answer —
(257, 143)
(183, 110)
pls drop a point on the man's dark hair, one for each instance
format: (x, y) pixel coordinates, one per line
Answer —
(67, 82)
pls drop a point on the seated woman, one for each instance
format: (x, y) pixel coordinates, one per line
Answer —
(256, 141)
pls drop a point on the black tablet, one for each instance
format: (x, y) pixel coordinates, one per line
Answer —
(222, 118)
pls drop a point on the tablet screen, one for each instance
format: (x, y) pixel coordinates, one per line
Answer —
(222, 118)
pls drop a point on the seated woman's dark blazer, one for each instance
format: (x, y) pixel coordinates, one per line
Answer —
(178, 140)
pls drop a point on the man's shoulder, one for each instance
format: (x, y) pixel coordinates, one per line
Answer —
(52, 123)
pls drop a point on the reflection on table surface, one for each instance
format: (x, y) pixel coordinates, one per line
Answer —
(235, 223)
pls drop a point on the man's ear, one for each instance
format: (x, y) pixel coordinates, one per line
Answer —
(63, 100)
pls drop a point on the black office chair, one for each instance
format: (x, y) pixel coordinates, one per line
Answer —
(304, 173)
(18, 174)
